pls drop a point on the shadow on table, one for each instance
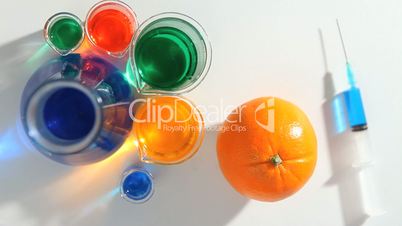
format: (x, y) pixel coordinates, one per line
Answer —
(344, 176)
(35, 191)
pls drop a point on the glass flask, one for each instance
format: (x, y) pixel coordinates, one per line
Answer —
(74, 109)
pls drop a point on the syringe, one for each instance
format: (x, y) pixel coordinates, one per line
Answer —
(362, 147)
(353, 99)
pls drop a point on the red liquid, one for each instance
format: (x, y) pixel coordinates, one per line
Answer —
(111, 30)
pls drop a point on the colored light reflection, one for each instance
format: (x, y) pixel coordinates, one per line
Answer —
(85, 46)
(99, 203)
(338, 114)
(102, 178)
(43, 51)
(10, 145)
(87, 50)
(129, 75)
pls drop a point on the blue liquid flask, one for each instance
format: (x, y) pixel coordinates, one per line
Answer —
(75, 110)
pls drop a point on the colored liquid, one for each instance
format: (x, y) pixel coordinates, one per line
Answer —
(166, 58)
(137, 186)
(111, 30)
(167, 136)
(69, 114)
(65, 34)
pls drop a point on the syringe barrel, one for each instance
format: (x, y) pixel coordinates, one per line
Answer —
(355, 109)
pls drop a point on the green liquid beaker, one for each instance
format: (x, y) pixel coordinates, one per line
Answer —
(64, 32)
(170, 54)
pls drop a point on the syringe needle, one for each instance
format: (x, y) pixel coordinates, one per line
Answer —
(343, 43)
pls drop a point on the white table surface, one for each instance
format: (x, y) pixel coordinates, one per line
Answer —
(261, 48)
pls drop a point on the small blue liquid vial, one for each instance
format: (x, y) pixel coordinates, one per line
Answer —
(137, 186)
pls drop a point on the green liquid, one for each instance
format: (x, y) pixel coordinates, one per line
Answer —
(65, 34)
(166, 58)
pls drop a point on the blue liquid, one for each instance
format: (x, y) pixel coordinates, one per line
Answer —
(69, 114)
(354, 105)
(137, 186)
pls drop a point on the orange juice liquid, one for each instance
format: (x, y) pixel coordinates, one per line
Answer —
(169, 130)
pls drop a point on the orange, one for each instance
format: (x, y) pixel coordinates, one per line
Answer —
(267, 149)
(169, 130)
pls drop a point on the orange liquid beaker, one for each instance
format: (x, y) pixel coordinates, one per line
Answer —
(169, 130)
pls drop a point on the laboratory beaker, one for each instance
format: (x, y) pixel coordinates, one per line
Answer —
(64, 32)
(169, 129)
(170, 54)
(110, 26)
